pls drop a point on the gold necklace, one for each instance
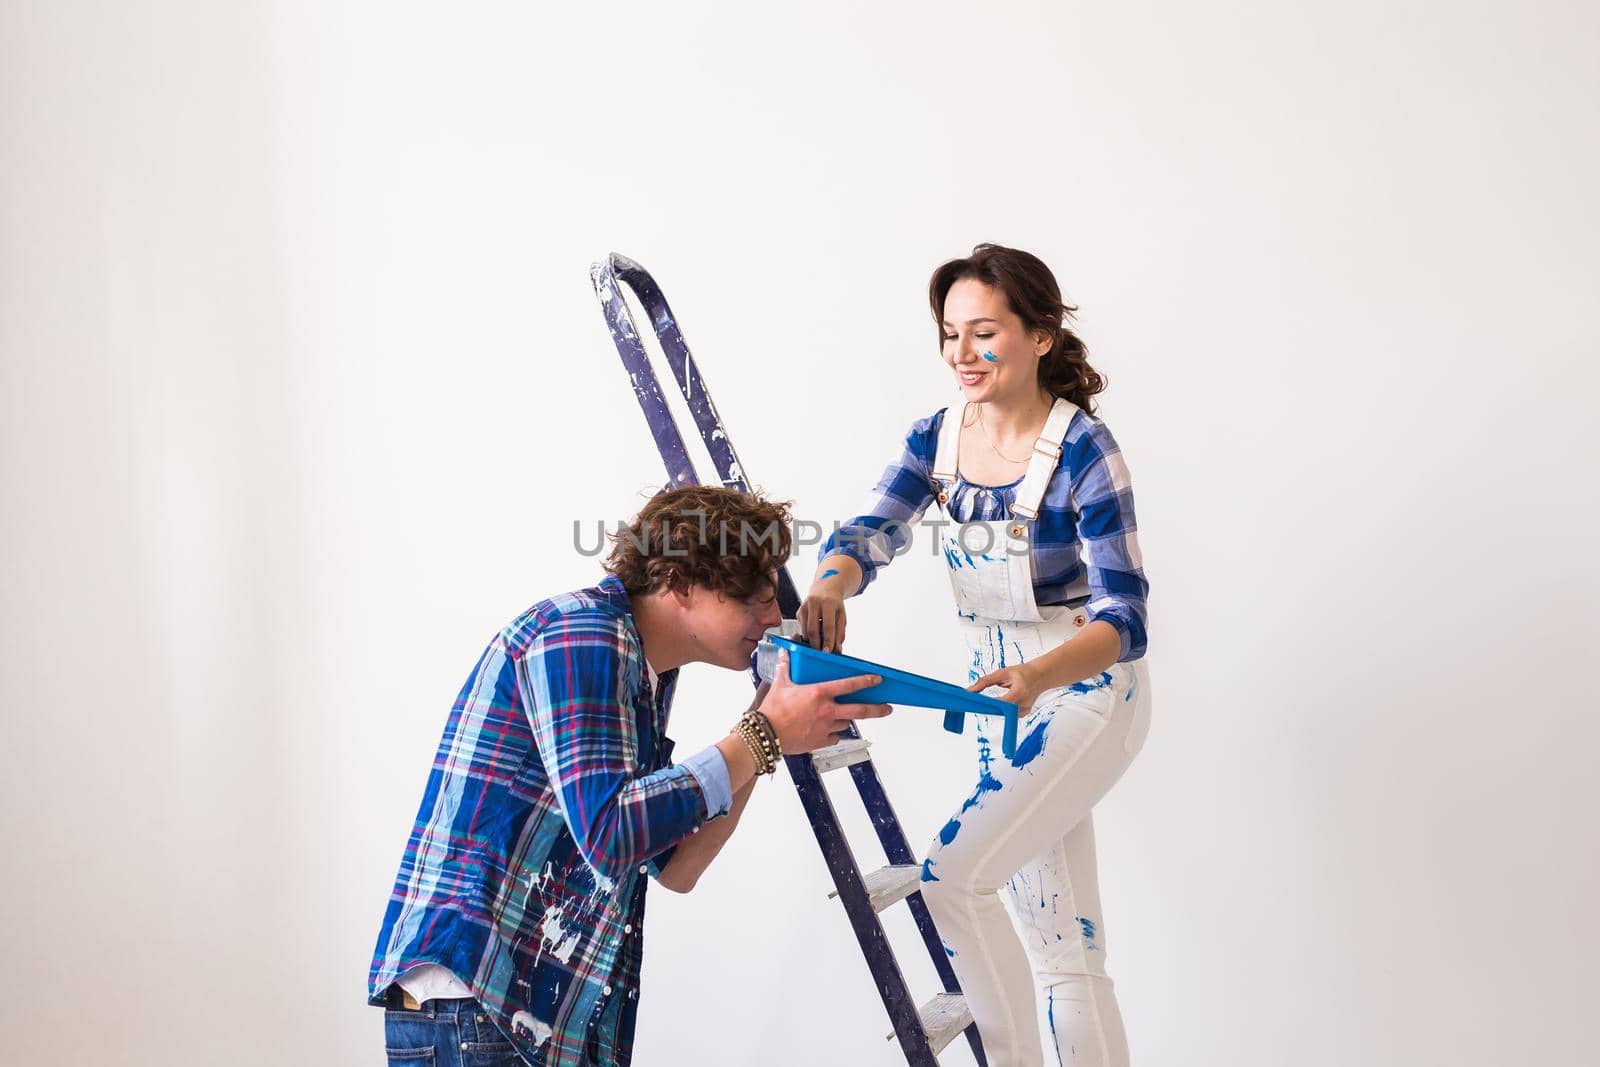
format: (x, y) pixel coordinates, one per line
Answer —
(990, 441)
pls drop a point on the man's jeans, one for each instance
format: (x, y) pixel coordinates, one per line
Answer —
(444, 1033)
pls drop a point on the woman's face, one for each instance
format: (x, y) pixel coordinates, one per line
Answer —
(994, 357)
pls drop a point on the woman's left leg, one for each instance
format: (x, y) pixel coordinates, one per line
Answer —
(1056, 901)
(1074, 747)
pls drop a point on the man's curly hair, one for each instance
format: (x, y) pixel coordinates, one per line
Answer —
(721, 539)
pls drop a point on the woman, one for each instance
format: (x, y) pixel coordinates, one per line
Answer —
(1050, 595)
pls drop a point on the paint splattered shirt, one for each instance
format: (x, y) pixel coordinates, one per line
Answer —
(551, 798)
(1085, 544)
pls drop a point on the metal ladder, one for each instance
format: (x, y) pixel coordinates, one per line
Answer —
(923, 1031)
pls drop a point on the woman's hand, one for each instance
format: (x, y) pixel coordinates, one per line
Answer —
(822, 619)
(1022, 685)
(822, 611)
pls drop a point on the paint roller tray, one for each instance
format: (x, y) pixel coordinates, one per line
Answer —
(808, 665)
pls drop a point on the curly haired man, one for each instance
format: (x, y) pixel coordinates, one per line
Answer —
(514, 932)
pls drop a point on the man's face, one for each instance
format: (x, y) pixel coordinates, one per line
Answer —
(727, 629)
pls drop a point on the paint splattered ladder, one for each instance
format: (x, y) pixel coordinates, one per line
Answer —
(923, 1032)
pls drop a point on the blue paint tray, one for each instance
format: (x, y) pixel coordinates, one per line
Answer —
(808, 665)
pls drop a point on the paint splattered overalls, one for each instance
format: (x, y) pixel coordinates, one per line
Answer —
(1027, 825)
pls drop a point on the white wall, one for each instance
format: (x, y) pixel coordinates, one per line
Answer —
(303, 385)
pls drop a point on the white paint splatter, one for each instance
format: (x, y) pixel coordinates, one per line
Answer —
(524, 1023)
(561, 942)
(541, 883)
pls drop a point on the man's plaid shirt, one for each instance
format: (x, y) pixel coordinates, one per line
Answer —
(550, 799)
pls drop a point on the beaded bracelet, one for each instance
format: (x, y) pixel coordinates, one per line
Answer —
(764, 724)
(769, 737)
(752, 740)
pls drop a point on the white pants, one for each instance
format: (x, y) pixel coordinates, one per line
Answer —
(1027, 827)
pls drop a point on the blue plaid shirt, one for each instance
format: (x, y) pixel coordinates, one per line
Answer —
(551, 797)
(1085, 543)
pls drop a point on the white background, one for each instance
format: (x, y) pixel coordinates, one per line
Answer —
(304, 385)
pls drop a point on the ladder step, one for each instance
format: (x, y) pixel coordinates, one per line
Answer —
(844, 754)
(943, 1019)
(886, 885)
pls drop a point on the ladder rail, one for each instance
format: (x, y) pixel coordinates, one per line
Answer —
(864, 921)
(620, 269)
(898, 851)
(608, 278)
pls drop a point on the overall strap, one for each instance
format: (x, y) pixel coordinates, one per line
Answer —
(945, 456)
(1046, 455)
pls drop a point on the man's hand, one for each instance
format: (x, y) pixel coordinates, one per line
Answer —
(808, 717)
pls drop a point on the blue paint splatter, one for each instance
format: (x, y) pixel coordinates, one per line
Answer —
(948, 833)
(1088, 929)
(955, 557)
(986, 784)
(986, 781)
(967, 614)
(1089, 687)
(829, 573)
(927, 872)
(990, 357)
(1133, 683)
(1029, 750)
(1053, 1040)
(948, 951)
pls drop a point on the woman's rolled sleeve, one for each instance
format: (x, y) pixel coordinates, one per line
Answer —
(1102, 495)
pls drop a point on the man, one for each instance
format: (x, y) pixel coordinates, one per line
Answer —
(515, 929)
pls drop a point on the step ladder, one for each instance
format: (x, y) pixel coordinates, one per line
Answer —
(923, 1031)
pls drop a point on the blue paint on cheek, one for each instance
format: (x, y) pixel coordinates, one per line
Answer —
(990, 357)
(829, 573)
(927, 872)
(1031, 746)
(949, 831)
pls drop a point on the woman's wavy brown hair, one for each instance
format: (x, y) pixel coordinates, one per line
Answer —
(1035, 298)
(722, 539)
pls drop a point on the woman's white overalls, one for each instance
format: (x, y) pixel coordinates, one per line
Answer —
(1026, 826)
